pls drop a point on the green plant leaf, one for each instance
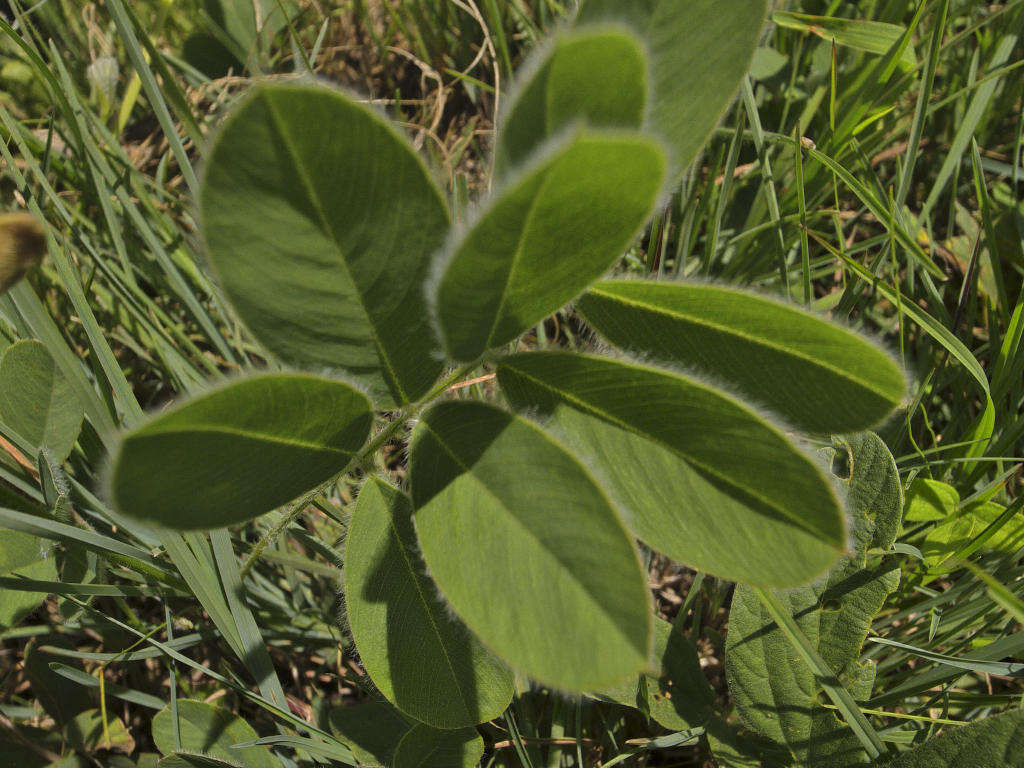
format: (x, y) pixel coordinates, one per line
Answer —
(90, 731)
(930, 500)
(964, 527)
(875, 37)
(36, 401)
(996, 740)
(425, 747)
(545, 239)
(776, 693)
(237, 452)
(677, 694)
(699, 50)
(320, 221)
(193, 760)
(371, 729)
(22, 555)
(209, 730)
(819, 376)
(527, 548)
(422, 659)
(706, 480)
(598, 76)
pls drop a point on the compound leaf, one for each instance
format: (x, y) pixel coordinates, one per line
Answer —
(504, 510)
(240, 451)
(320, 220)
(699, 50)
(776, 693)
(819, 376)
(422, 659)
(706, 480)
(545, 239)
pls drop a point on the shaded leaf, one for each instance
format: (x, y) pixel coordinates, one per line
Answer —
(425, 747)
(193, 760)
(997, 740)
(698, 51)
(23, 556)
(86, 732)
(60, 700)
(422, 659)
(237, 452)
(776, 693)
(598, 76)
(211, 731)
(706, 480)
(371, 729)
(36, 401)
(319, 220)
(930, 500)
(504, 510)
(817, 375)
(545, 239)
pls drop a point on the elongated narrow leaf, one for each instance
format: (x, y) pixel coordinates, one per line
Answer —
(996, 740)
(776, 693)
(699, 50)
(675, 690)
(425, 747)
(211, 731)
(595, 75)
(320, 220)
(707, 481)
(371, 729)
(527, 548)
(817, 375)
(240, 451)
(23, 556)
(863, 35)
(421, 658)
(36, 401)
(545, 239)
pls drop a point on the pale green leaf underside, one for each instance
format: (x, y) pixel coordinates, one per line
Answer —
(320, 222)
(502, 509)
(775, 692)
(422, 659)
(706, 480)
(698, 51)
(596, 76)
(36, 401)
(212, 731)
(240, 451)
(425, 747)
(994, 741)
(547, 237)
(819, 376)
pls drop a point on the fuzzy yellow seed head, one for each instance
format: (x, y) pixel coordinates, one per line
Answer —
(22, 245)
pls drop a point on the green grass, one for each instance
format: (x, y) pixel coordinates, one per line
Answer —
(882, 188)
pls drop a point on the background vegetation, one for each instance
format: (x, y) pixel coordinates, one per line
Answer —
(903, 217)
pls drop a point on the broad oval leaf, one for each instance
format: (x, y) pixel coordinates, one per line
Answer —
(545, 239)
(422, 659)
(23, 556)
(699, 50)
(993, 741)
(371, 730)
(240, 451)
(504, 510)
(426, 747)
(819, 376)
(776, 693)
(320, 221)
(596, 75)
(706, 479)
(36, 401)
(211, 731)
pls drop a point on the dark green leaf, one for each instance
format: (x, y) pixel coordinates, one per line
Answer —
(424, 747)
(372, 730)
(994, 741)
(211, 731)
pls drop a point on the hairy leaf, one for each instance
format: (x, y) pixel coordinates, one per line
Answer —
(425, 747)
(240, 451)
(706, 480)
(320, 221)
(527, 548)
(817, 375)
(676, 692)
(775, 692)
(993, 741)
(699, 50)
(547, 237)
(422, 659)
(597, 76)
(212, 731)
(36, 401)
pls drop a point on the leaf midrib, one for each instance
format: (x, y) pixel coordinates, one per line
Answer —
(243, 433)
